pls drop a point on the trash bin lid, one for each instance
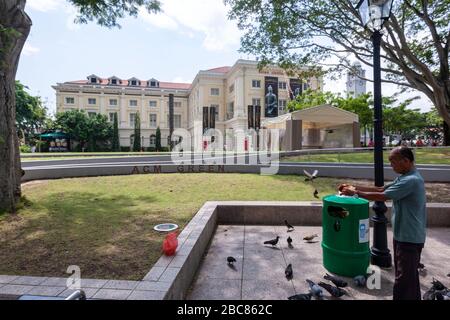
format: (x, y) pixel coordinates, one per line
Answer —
(344, 199)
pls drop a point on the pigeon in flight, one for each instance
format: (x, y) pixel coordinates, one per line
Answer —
(301, 296)
(337, 282)
(231, 260)
(289, 241)
(288, 272)
(360, 281)
(334, 291)
(315, 289)
(289, 226)
(316, 194)
(309, 176)
(310, 237)
(272, 242)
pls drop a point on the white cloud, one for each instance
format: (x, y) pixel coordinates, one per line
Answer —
(205, 17)
(29, 50)
(44, 5)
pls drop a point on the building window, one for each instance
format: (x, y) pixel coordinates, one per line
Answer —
(114, 81)
(215, 91)
(256, 101)
(152, 140)
(282, 106)
(133, 83)
(93, 80)
(153, 84)
(111, 116)
(256, 83)
(176, 120)
(113, 102)
(282, 85)
(152, 120)
(177, 104)
(70, 100)
(230, 110)
(132, 119)
(231, 88)
(133, 103)
(92, 101)
(216, 106)
(91, 114)
(152, 103)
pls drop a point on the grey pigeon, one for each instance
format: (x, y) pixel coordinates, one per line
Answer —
(301, 296)
(421, 266)
(315, 289)
(310, 237)
(289, 241)
(231, 260)
(334, 291)
(360, 281)
(337, 282)
(288, 225)
(437, 285)
(309, 176)
(428, 295)
(272, 242)
(288, 272)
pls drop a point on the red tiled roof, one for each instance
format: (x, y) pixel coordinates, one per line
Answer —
(220, 69)
(162, 85)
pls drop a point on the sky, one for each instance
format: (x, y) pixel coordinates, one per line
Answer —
(188, 36)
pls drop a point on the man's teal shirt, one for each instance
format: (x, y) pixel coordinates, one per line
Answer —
(409, 215)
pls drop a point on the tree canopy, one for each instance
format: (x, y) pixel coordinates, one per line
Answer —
(327, 34)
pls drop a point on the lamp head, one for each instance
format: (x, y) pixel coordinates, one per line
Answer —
(374, 12)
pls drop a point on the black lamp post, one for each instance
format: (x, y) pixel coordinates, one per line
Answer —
(373, 14)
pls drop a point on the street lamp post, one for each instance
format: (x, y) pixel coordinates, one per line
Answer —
(373, 14)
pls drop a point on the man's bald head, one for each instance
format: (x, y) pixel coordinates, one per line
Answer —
(401, 159)
(403, 152)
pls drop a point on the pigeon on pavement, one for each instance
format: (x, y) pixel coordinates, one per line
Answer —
(288, 272)
(315, 289)
(334, 291)
(301, 296)
(231, 260)
(437, 285)
(337, 282)
(272, 242)
(360, 281)
(310, 237)
(289, 226)
(289, 241)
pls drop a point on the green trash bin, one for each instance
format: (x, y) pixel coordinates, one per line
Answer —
(345, 235)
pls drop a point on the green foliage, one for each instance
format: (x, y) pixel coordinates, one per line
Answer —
(115, 138)
(25, 149)
(311, 98)
(158, 139)
(107, 12)
(137, 133)
(30, 113)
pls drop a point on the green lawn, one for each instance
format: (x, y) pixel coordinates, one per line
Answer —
(423, 156)
(105, 224)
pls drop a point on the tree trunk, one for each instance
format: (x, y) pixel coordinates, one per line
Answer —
(14, 29)
(446, 134)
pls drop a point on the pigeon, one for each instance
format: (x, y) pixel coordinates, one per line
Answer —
(289, 226)
(316, 194)
(437, 285)
(337, 282)
(231, 260)
(315, 289)
(289, 241)
(360, 281)
(421, 266)
(334, 291)
(272, 242)
(309, 238)
(288, 272)
(309, 176)
(448, 275)
(429, 295)
(301, 296)
(338, 212)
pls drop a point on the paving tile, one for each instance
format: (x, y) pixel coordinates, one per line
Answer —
(258, 251)
(257, 235)
(163, 261)
(90, 292)
(17, 289)
(55, 282)
(121, 284)
(26, 280)
(7, 279)
(112, 294)
(178, 261)
(153, 286)
(215, 290)
(146, 295)
(213, 270)
(218, 253)
(46, 291)
(260, 268)
(93, 283)
(273, 289)
(169, 274)
(154, 273)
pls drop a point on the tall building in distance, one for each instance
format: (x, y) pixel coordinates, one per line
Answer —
(355, 85)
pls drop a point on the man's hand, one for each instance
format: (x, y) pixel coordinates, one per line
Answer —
(345, 186)
(348, 191)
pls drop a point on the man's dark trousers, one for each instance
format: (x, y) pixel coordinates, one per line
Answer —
(406, 262)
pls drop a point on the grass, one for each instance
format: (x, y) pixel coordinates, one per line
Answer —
(423, 156)
(105, 224)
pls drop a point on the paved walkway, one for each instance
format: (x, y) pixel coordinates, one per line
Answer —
(259, 269)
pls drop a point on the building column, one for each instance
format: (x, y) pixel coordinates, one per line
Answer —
(293, 135)
(356, 135)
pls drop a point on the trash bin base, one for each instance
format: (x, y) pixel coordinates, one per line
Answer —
(347, 264)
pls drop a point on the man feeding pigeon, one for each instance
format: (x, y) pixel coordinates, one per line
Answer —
(408, 219)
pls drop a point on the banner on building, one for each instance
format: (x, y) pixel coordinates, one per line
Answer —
(205, 118)
(257, 117)
(295, 88)
(271, 96)
(212, 117)
(250, 117)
